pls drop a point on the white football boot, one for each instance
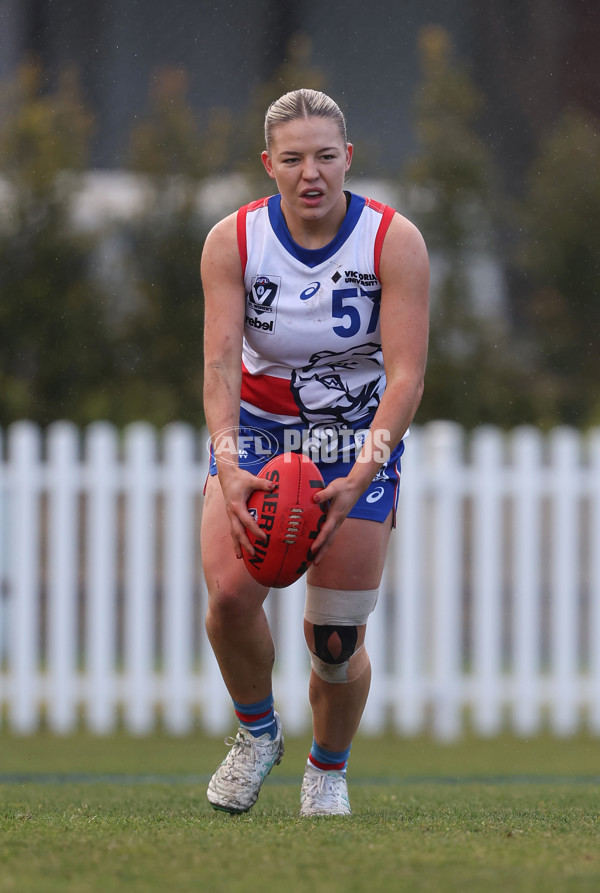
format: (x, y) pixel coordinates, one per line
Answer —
(236, 784)
(324, 793)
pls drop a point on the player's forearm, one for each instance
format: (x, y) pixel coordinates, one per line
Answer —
(394, 415)
(222, 409)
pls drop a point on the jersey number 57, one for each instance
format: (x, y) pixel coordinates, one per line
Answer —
(342, 308)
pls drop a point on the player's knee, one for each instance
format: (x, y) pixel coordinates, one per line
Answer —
(341, 671)
(227, 607)
(334, 644)
(333, 619)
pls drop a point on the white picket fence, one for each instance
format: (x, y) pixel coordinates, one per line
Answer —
(489, 614)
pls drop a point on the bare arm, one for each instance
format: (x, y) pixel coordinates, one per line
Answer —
(404, 274)
(224, 303)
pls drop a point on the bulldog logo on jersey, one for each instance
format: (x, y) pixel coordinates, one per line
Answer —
(261, 303)
(328, 392)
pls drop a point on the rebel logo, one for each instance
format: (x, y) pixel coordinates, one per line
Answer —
(262, 325)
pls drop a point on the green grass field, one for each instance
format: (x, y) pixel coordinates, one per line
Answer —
(104, 814)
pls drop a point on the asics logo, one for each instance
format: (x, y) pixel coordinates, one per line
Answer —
(376, 495)
(310, 290)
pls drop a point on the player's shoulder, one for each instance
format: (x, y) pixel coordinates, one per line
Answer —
(402, 232)
(224, 228)
(220, 250)
(403, 246)
(221, 241)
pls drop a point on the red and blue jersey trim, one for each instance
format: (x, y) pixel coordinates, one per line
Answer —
(241, 228)
(313, 257)
(270, 393)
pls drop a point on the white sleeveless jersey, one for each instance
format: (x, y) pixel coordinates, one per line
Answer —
(312, 346)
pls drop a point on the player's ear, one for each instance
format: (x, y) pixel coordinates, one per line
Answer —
(349, 151)
(266, 160)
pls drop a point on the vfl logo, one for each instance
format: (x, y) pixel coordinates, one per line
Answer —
(261, 303)
(263, 294)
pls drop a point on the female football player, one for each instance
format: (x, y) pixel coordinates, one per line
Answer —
(316, 324)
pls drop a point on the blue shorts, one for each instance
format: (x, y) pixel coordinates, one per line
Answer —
(332, 450)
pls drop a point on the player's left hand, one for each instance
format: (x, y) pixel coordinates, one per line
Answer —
(341, 494)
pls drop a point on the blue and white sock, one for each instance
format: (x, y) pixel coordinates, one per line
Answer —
(257, 718)
(326, 760)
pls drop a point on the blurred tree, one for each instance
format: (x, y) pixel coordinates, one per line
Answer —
(55, 341)
(294, 71)
(163, 343)
(453, 166)
(162, 340)
(170, 140)
(476, 370)
(532, 59)
(561, 253)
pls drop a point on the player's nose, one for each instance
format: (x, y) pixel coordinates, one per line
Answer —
(310, 171)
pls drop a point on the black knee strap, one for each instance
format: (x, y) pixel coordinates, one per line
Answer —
(348, 636)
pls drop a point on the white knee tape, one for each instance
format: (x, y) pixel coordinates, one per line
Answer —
(349, 671)
(342, 607)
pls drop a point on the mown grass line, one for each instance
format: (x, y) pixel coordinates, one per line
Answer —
(386, 756)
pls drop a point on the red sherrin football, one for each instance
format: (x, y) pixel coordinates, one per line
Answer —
(289, 518)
